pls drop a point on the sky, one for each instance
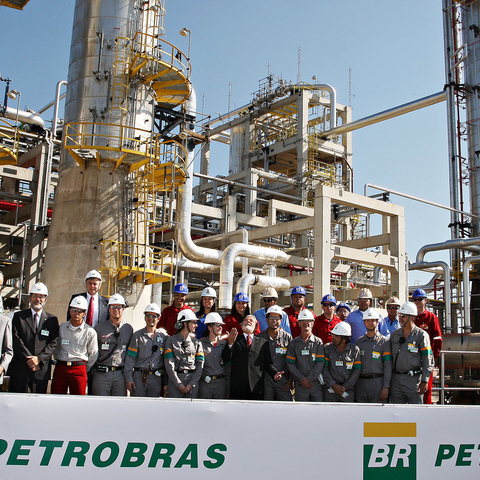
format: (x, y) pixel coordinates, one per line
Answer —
(394, 51)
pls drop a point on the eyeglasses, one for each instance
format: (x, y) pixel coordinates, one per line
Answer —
(269, 300)
(77, 310)
(151, 315)
(419, 299)
(392, 307)
(275, 319)
(402, 316)
(217, 325)
(328, 304)
(116, 307)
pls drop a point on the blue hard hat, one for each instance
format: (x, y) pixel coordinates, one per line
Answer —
(329, 299)
(298, 291)
(180, 288)
(241, 297)
(419, 293)
(342, 305)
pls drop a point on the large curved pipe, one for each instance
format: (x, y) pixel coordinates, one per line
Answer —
(472, 244)
(269, 255)
(279, 283)
(446, 283)
(31, 118)
(466, 292)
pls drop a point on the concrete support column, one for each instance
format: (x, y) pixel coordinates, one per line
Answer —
(397, 248)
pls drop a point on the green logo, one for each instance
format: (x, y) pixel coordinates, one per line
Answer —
(392, 461)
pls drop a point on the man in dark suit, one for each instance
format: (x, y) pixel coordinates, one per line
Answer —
(97, 304)
(35, 335)
(250, 360)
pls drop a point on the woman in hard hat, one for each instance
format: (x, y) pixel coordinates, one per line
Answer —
(213, 383)
(207, 305)
(144, 360)
(240, 309)
(342, 365)
(184, 357)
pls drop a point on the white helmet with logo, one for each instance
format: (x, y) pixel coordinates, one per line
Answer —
(186, 315)
(306, 315)
(371, 314)
(152, 308)
(343, 329)
(365, 293)
(275, 309)
(39, 288)
(214, 317)
(269, 292)
(117, 299)
(408, 308)
(79, 302)
(209, 292)
(93, 274)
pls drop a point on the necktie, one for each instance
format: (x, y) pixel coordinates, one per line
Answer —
(90, 313)
(249, 341)
(36, 321)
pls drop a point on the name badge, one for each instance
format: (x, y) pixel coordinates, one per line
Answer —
(339, 363)
(349, 365)
(362, 352)
(105, 346)
(281, 350)
(45, 333)
(375, 355)
(65, 341)
(305, 352)
(412, 348)
(159, 339)
(313, 357)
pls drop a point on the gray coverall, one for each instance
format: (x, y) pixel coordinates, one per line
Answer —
(341, 368)
(306, 360)
(213, 382)
(376, 357)
(412, 364)
(144, 363)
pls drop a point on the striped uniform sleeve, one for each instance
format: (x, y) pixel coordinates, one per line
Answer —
(386, 356)
(132, 351)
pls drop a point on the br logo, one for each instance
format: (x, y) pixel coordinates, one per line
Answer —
(392, 456)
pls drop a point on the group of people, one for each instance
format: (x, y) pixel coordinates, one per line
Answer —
(273, 354)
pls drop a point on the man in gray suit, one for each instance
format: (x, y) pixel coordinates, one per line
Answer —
(35, 335)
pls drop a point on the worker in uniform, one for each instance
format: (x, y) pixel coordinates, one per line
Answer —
(429, 322)
(240, 310)
(376, 356)
(278, 341)
(250, 361)
(270, 299)
(327, 320)
(342, 365)
(76, 353)
(213, 382)
(342, 311)
(97, 310)
(35, 334)
(306, 361)
(390, 323)
(6, 345)
(169, 315)
(113, 338)
(355, 319)
(298, 297)
(207, 305)
(412, 358)
(184, 357)
(144, 361)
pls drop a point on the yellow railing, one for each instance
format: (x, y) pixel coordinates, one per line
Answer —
(8, 144)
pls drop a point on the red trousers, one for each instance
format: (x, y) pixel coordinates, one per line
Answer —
(427, 396)
(73, 378)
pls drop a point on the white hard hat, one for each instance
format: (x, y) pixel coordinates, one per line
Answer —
(93, 274)
(79, 302)
(269, 292)
(393, 301)
(152, 308)
(117, 299)
(343, 329)
(365, 293)
(371, 314)
(306, 315)
(209, 292)
(39, 288)
(214, 317)
(275, 309)
(186, 315)
(408, 308)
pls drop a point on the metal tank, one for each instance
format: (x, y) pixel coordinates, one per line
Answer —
(102, 111)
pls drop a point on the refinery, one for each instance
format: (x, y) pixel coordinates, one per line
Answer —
(115, 174)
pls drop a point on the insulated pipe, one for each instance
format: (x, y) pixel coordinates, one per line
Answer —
(184, 264)
(466, 292)
(279, 283)
(386, 114)
(227, 263)
(420, 265)
(32, 118)
(472, 244)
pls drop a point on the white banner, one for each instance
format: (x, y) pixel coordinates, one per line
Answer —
(59, 437)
